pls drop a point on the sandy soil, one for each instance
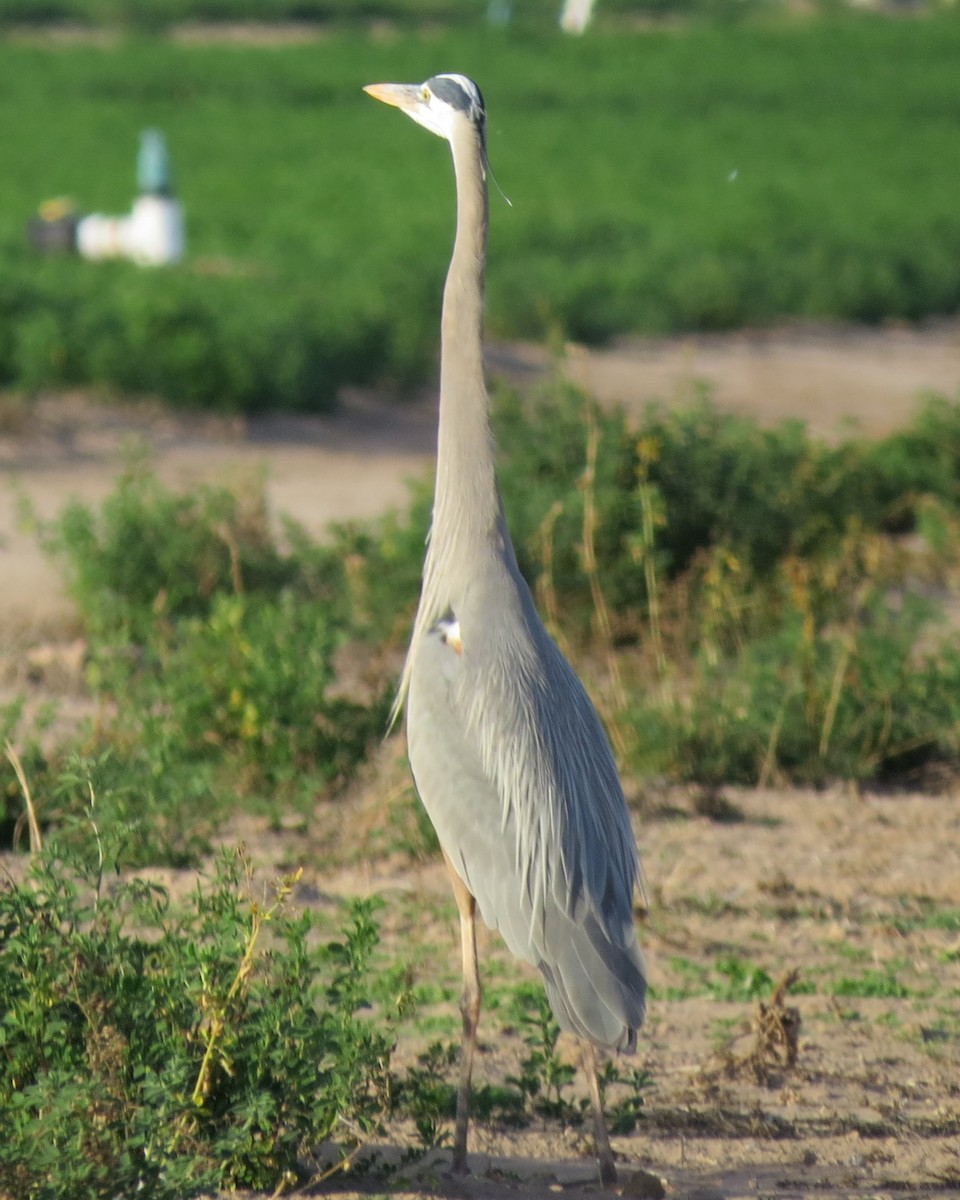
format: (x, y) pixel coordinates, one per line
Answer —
(859, 894)
(317, 469)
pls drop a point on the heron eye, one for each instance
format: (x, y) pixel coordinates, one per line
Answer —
(425, 94)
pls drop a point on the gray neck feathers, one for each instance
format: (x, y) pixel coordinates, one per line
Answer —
(467, 513)
(466, 504)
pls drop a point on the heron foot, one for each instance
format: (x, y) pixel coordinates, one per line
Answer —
(608, 1172)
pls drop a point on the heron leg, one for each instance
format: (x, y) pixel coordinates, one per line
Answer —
(470, 1011)
(608, 1172)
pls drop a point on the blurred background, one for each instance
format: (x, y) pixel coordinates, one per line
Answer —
(698, 166)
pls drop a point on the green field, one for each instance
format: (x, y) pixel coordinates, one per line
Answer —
(664, 181)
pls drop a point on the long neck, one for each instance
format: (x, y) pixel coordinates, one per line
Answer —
(466, 503)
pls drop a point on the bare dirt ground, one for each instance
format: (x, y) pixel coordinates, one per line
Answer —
(858, 894)
(838, 887)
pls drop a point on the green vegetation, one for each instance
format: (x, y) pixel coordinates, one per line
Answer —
(729, 979)
(739, 173)
(149, 15)
(545, 1079)
(770, 608)
(543, 1088)
(764, 607)
(870, 983)
(147, 1046)
(779, 625)
(157, 14)
(929, 916)
(764, 580)
(544, 1076)
(210, 1043)
(211, 656)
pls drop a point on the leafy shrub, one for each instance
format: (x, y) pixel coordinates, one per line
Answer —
(720, 481)
(780, 618)
(199, 342)
(152, 555)
(788, 708)
(251, 682)
(212, 653)
(148, 1047)
(384, 561)
(157, 14)
(757, 580)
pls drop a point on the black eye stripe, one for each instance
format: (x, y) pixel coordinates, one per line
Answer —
(451, 92)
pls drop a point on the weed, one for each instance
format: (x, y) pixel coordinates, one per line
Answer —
(741, 980)
(211, 650)
(251, 682)
(711, 905)
(212, 643)
(644, 544)
(148, 1047)
(151, 556)
(851, 953)
(622, 1114)
(928, 915)
(544, 1077)
(425, 1093)
(588, 556)
(22, 738)
(29, 816)
(730, 978)
(792, 646)
(870, 983)
(723, 1030)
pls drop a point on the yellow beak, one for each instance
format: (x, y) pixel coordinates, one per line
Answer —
(398, 95)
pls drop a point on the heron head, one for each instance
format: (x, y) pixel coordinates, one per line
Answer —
(441, 104)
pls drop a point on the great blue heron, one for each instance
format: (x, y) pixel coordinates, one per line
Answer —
(508, 754)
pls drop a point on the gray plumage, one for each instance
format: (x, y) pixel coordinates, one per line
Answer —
(508, 754)
(514, 769)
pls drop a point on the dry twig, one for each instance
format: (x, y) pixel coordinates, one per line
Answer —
(29, 815)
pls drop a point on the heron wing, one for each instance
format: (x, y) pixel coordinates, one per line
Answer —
(514, 768)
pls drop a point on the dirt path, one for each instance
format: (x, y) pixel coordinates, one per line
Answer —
(836, 380)
(317, 469)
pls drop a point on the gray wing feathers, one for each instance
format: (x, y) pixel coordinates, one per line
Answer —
(515, 770)
(595, 988)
